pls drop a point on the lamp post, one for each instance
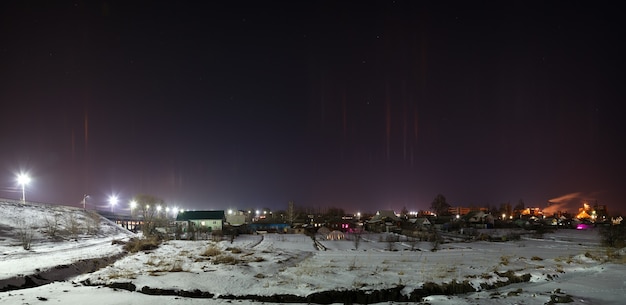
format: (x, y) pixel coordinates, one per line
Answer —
(23, 180)
(133, 206)
(85, 202)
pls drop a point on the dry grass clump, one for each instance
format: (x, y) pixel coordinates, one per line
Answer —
(119, 274)
(504, 260)
(177, 266)
(154, 262)
(144, 244)
(615, 256)
(234, 250)
(536, 258)
(212, 251)
(225, 259)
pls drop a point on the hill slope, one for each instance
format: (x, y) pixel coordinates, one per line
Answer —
(37, 237)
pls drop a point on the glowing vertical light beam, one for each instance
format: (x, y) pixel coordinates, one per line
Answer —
(23, 179)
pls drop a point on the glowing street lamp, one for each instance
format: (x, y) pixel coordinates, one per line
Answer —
(133, 207)
(113, 201)
(23, 180)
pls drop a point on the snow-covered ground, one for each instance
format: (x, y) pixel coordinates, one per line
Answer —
(564, 264)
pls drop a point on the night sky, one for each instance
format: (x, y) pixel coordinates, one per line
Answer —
(363, 105)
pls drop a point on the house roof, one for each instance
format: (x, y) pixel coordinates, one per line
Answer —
(384, 214)
(200, 215)
(420, 221)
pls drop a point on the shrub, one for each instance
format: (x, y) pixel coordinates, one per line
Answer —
(225, 259)
(483, 237)
(145, 244)
(536, 258)
(212, 251)
(391, 240)
(92, 223)
(357, 240)
(234, 250)
(217, 235)
(25, 233)
(72, 224)
(52, 224)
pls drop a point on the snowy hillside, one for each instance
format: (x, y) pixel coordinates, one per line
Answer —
(565, 266)
(53, 235)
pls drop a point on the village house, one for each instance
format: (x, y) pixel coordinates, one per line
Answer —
(201, 220)
(384, 221)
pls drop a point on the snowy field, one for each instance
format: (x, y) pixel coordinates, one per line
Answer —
(565, 265)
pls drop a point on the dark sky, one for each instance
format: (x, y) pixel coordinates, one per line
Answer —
(363, 105)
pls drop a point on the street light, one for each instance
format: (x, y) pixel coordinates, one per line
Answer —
(112, 201)
(23, 180)
(133, 206)
(85, 201)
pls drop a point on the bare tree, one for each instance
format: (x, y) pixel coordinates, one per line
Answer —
(520, 206)
(291, 212)
(25, 233)
(413, 242)
(52, 224)
(148, 208)
(357, 240)
(391, 242)
(404, 213)
(440, 205)
(72, 224)
(93, 223)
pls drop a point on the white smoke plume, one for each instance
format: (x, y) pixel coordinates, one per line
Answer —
(566, 203)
